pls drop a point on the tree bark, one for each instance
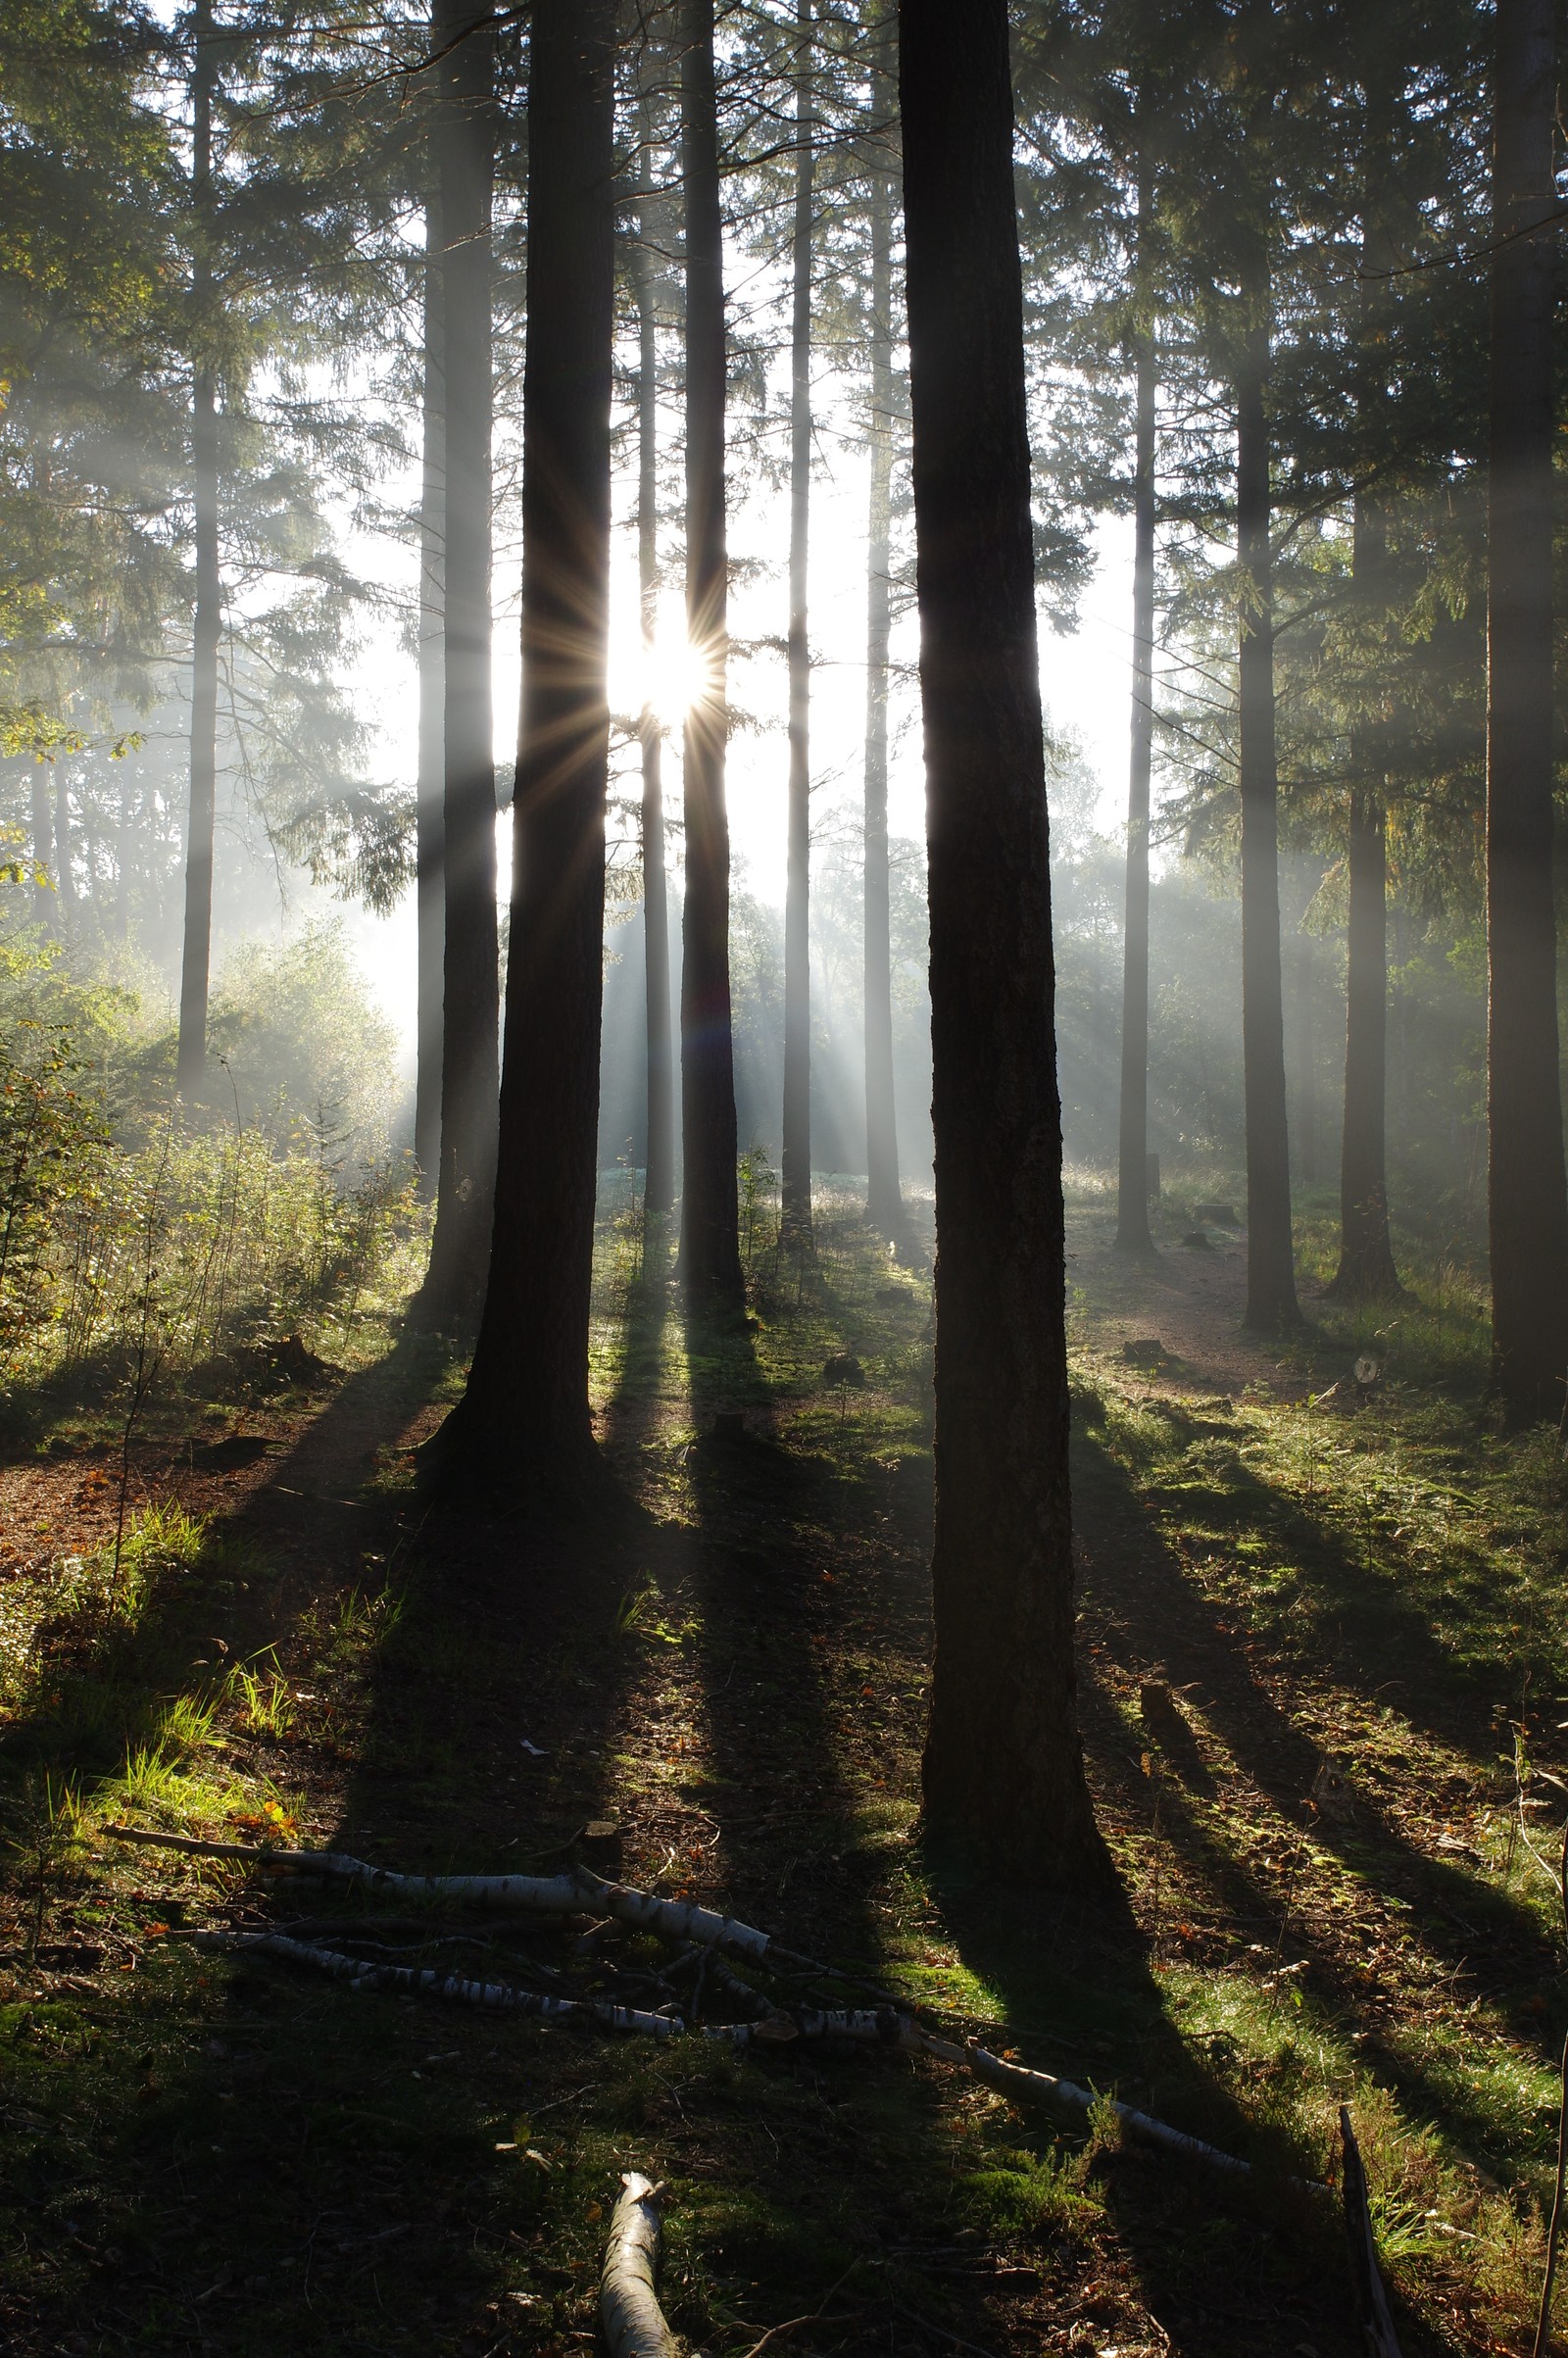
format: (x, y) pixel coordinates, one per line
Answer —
(1002, 1769)
(710, 1263)
(465, 142)
(190, 1062)
(1528, 1196)
(659, 1176)
(795, 1158)
(65, 873)
(1132, 1234)
(1271, 1304)
(429, 816)
(1367, 1270)
(884, 1199)
(524, 1423)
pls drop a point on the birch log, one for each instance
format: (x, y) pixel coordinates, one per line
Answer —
(580, 1893)
(498, 1997)
(628, 2305)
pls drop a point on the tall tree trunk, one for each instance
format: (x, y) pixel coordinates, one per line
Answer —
(44, 903)
(524, 1422)
(1133, 1233)
(1367, 1270)
(1002, 1768)
(1529, 1199)
(190, 1063)
(711, 1261)
(796, 1159)
(884, 1199)
(465, 139)
(123, 842)
(429, 816)
(659, 1176)
(1271, 1304)
(1305, 959)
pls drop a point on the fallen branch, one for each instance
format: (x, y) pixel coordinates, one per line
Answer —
(628, 2305)
(1371, 2299)
(498, 1997)
(579, 1892)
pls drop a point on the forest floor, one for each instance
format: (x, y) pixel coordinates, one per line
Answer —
(1324, 1665)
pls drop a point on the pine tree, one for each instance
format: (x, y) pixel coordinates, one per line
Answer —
(1002, 1768)
(884, 1199)
(796, 1156)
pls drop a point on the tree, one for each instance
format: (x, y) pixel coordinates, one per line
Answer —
(430, 864)
(659, 1174)
(796, 1156)
(1527, 1194)
(525, 1420)
(1002, 1767)
(196, 954)
(884, 1199)
(1132, 1175)
(710, 1263)
(464, 144)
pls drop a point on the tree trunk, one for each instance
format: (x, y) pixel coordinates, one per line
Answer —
(45, 907)
(524, 1423)
(1002, 1770)
(884, 1199)
(1305, 961)
(796, 1159)
(196, 957)
(1133, 1233)
(1529, 1201)
(659, 1176)
(1367, 1270)
(1271, 1304)
(465, 139)
(710, 1263)
(429, 885)
(65, 875)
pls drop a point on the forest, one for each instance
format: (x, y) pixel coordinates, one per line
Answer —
(783, 1206)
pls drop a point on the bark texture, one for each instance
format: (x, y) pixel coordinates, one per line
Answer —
(1002, 1769)
(429, 814)
(1528, 1197)
(884, 1201)
(190, 1063)
(524, 1422)
(659, 1177)
(795, 1157)
(1133, 1233)
(43, 844)
(1271, 1304)
(465, 140)
(710, 1242)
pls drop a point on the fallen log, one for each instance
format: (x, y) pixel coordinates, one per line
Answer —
(498, 1997)
(628, 2305)
(577, 1892)
(1371, 2299)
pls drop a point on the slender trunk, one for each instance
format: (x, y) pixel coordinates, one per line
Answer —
(1133, 1233)
(1002, 1768)
(465, 160)
(711, 1261)
(659, 1178)
(429, 885)
(1367, 1270)
(123, 842)
(196, 957)
(1305, 961)
(525, 1422)
(44, 903)
(64, 875)
(796, 1159)
(1271, 1304)
(1529, 1199)
(884, 1201)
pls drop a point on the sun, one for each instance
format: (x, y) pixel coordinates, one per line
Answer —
(676, 675)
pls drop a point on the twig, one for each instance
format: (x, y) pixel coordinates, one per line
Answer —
(1543, 2320)
(774, 2333)
(1371, 2299)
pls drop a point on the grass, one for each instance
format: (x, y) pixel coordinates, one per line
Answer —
(1325, 1839)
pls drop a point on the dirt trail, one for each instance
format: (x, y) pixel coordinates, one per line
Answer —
(1187, 1299)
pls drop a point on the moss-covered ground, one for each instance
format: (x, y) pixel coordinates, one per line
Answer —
(1324, 1662)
